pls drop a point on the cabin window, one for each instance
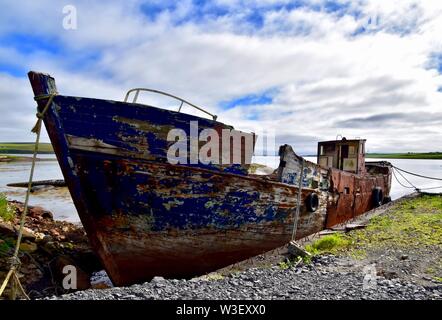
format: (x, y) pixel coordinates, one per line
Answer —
(346, 190)
(351, 150)
(321, 152)
(330, 148)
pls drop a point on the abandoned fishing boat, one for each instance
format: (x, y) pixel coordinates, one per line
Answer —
(148, 216)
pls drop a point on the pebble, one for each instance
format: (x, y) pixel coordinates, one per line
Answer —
(301, 282)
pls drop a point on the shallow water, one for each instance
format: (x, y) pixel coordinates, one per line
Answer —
(57, 200)
(60, 203)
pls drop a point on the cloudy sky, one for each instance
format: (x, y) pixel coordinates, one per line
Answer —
(307, 69)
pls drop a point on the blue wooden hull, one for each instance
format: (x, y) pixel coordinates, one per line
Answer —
(146, 217)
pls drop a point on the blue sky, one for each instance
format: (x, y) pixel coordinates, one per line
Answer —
(308, 70)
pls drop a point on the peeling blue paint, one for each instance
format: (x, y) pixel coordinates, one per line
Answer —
(96, 119)
(112, 191)
(170, 197)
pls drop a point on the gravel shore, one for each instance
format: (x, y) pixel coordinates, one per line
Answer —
(327, 277)
(397, 256)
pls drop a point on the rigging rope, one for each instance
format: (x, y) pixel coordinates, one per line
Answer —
(412, 186)
(408, 181)
(417, 175)
(15, 260)
(397, 179)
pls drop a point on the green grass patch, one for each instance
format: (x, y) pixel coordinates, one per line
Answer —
(7, 245)
(412, 223)
(328, 244)
(24, 148)
(6, 211)
(289, 263)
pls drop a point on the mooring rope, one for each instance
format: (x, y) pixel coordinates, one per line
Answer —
(15, 260)
(416, 174)
(408, 181)
(397, 179)
(412, 186)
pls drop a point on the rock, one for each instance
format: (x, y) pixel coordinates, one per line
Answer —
(49, 247)
(28, 246)
(404, 257)
(157, 279)
(100, 280)
(7, 230)
(36, 212)
(42, 239)
(26, 233)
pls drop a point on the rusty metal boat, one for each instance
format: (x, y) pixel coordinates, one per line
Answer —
(147, 217)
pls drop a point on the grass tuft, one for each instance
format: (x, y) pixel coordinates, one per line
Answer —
(328, 244)
(6, 211)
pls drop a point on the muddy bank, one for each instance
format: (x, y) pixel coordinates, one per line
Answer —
(47, 247)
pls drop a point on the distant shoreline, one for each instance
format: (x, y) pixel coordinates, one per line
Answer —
(27, 148)
(424, 156)
(9, 158)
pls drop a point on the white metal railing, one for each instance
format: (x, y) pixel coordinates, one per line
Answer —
(137, 91)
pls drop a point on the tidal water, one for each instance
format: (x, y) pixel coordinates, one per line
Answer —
(60, 203)
(56, 200)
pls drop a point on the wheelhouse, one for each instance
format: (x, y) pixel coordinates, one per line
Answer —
(346, 155)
